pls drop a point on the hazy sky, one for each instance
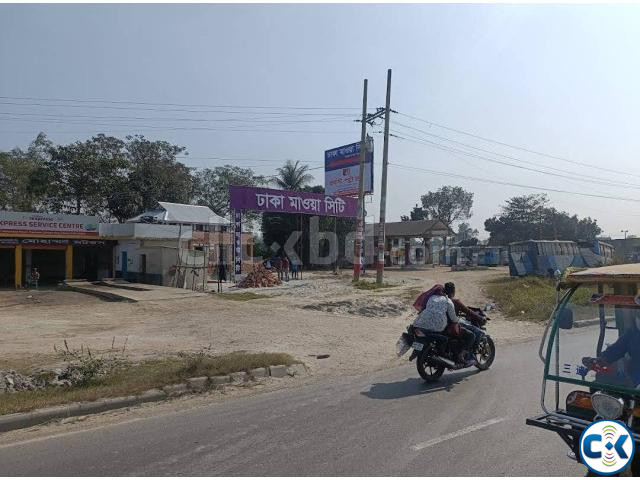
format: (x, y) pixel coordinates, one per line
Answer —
(562, 80)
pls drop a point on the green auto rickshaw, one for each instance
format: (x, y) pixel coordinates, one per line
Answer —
(591, 355)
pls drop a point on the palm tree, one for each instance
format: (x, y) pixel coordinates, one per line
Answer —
(293, 176)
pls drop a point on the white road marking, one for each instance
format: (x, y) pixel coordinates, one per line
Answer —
(463, 431)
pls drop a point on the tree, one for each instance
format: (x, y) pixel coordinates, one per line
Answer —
(81, 176)
(21, 189)
(448, 204)
(466, 232)
(293, 176)
(153, 174)
(528, 217)
(212, 187)
(417, 213)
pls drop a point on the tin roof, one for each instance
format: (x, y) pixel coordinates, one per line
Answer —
(181, 213)
(418, 228)
(629, 272)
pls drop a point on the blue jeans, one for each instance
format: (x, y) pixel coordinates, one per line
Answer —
(477, 332)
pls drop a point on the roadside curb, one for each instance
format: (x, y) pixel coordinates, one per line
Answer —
(16, 421)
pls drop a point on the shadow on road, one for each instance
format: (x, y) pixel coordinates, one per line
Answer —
(416, 386)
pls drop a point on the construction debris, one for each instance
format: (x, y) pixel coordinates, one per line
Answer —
(259, 277)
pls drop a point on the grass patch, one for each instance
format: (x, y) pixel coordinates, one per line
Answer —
(136, 378)
(242, 297)
(529, 298)
(365, 285)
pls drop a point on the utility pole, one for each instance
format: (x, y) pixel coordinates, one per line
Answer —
(357, 246)
(383, 189)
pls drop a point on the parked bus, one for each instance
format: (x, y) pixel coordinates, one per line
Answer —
(544, 257)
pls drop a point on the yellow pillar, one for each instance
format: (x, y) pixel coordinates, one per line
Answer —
(69, 262)
(18, 268)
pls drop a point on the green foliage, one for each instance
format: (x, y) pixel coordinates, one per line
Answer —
(366, 285)
(242, 297)
(139, 377)
(529, 217)
(529, 298)
(417, 213)
(448, 204)
(293, 176)
(466, 233)
(212, 187)
(21, 186)
(80, 176)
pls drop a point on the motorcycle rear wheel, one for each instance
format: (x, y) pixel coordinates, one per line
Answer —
(485, 353)
(429, 372)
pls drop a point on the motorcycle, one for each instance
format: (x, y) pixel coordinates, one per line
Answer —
(435, 352)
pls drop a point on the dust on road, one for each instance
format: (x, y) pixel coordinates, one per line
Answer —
(321, 314)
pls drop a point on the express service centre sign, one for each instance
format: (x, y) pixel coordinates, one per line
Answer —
(48, 224)
(342, 169)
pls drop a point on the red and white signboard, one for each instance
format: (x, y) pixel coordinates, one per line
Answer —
(49, 224)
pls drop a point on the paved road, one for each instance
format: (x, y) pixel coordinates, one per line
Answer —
(387, 423)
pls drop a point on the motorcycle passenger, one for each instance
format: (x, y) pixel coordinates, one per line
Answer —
(439, 315)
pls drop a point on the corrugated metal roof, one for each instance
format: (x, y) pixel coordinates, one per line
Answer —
(418, 228)
(181, 213)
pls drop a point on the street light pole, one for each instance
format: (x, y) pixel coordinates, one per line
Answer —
(625, 233)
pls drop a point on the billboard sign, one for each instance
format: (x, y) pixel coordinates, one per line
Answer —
(285, 201)
(342, 169)
(48, 224)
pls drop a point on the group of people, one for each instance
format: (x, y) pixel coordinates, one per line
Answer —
(438, 312)
(283, 267)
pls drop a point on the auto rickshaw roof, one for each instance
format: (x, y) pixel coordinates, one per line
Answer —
(629, 272)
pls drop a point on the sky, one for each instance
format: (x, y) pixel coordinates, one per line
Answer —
(558, 80)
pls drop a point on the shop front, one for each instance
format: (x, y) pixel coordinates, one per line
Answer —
(57, 247)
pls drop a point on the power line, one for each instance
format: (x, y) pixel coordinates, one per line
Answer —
(596, 179)
(328, 118)
(262, 121)
(524, 149)
(445, 148)
(162, 128)
(129, 108)
(499, 182)
(127, 102)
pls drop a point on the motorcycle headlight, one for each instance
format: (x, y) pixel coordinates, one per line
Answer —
(607, 406)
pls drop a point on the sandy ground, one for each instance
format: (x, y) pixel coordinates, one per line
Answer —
(321, 314)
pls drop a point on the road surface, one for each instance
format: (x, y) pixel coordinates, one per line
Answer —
(385, 423)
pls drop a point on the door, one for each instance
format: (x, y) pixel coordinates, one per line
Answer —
(143, 268)
(124, 265)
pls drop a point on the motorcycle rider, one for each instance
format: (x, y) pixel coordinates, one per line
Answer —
(439, 315)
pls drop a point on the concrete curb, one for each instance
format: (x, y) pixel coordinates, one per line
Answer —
(16, 421)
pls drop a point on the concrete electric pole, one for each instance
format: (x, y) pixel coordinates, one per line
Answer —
(357, 246)
(383, 188)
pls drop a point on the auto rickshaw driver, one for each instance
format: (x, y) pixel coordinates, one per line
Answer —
(627, 343)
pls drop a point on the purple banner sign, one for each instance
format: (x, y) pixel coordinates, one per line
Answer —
(271, 200)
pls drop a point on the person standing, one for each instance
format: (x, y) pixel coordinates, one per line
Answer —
(285, 268)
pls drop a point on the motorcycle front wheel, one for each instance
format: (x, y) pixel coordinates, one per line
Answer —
(485, 353)
(428, 371)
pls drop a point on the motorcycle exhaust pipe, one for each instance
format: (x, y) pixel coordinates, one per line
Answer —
(444, 361)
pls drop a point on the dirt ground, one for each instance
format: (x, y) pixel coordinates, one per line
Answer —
(322, 314)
